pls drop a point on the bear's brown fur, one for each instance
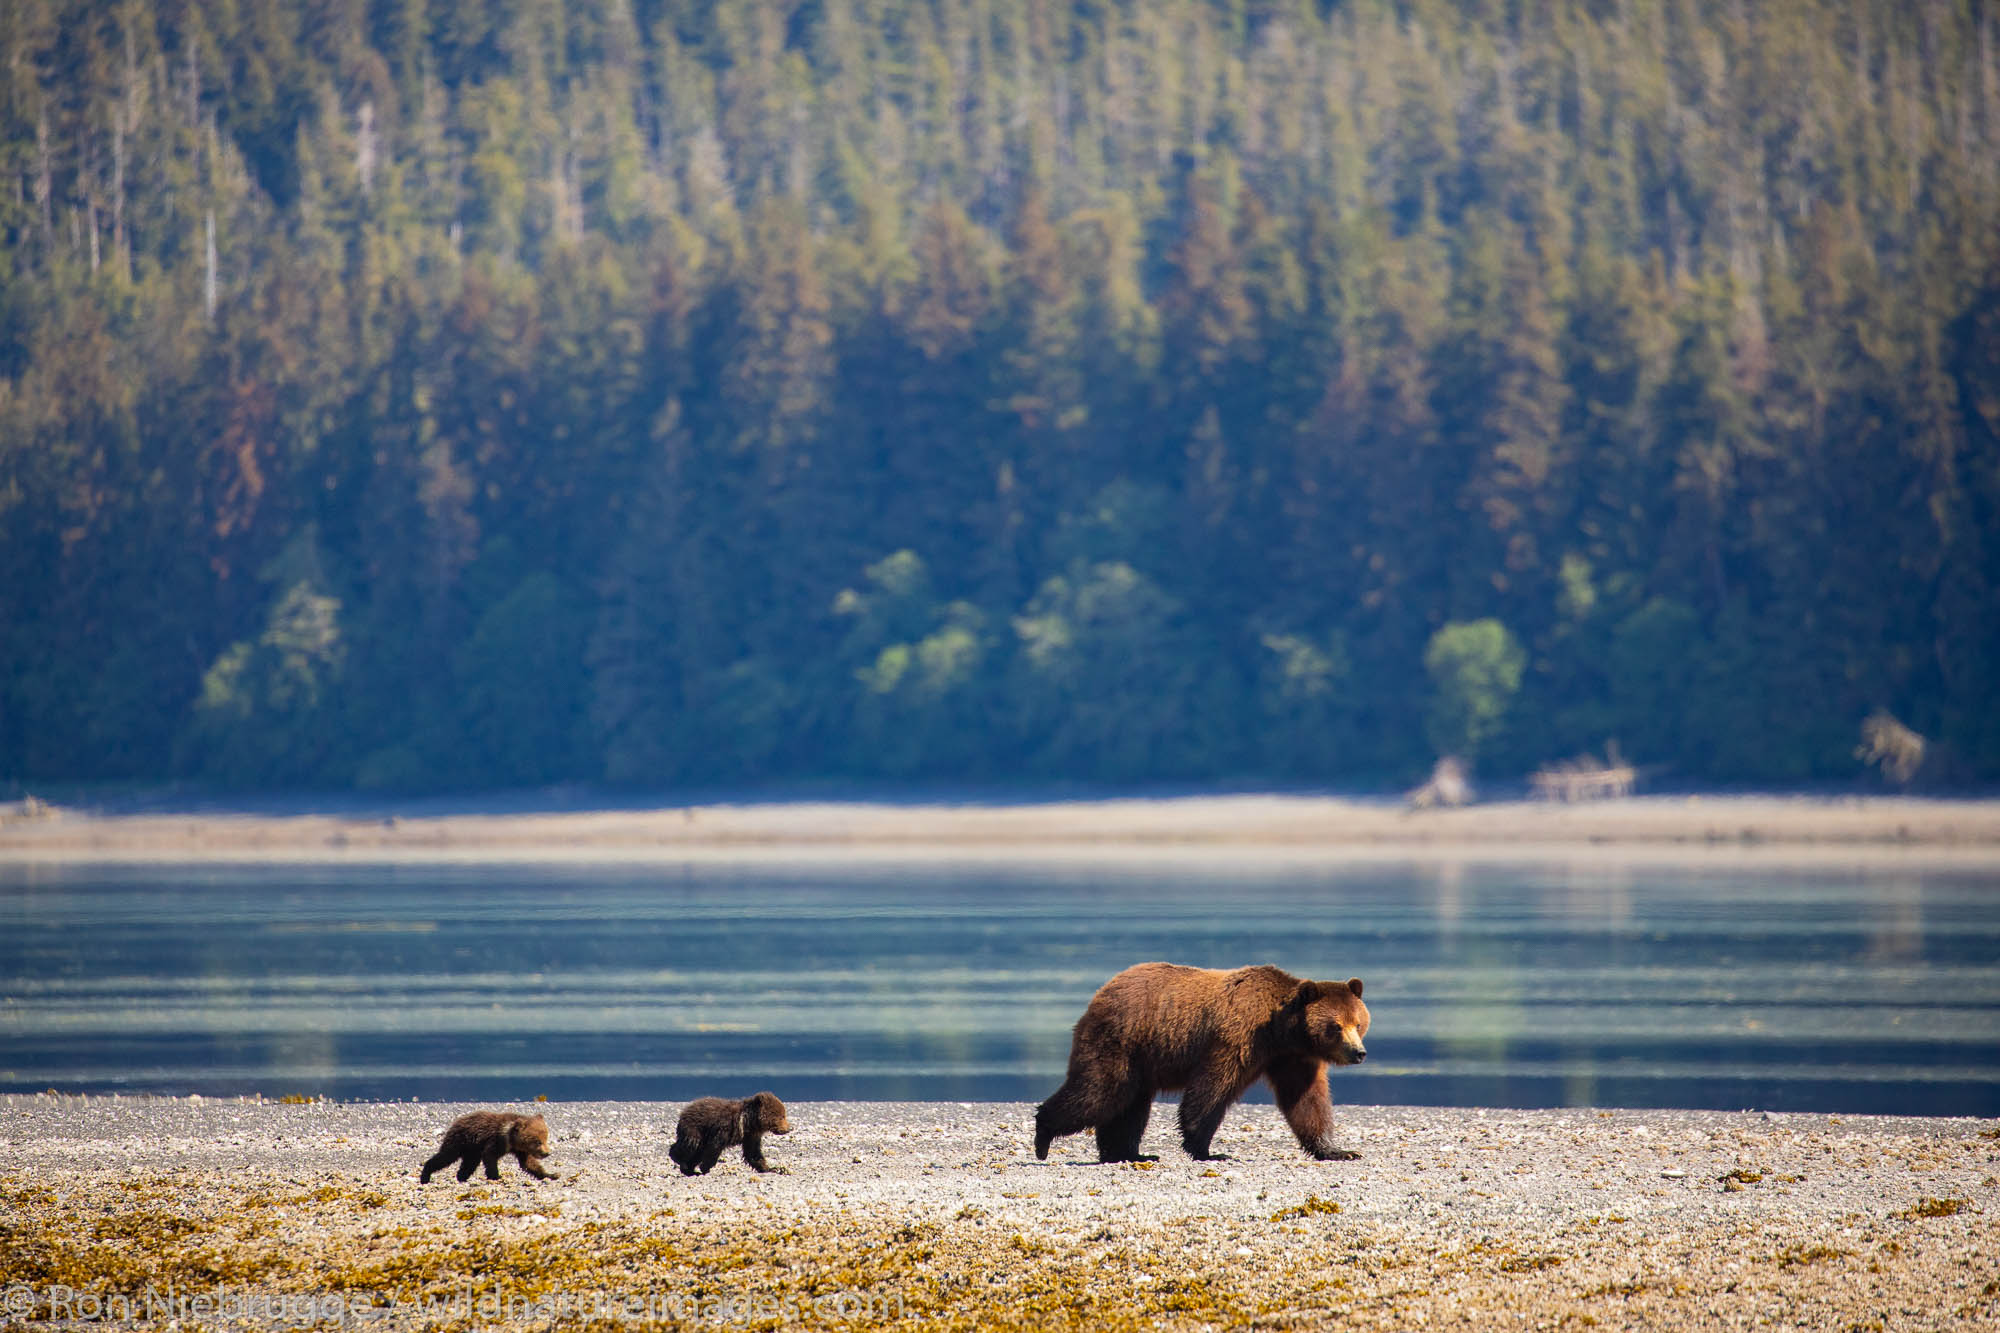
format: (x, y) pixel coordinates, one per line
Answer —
(485, 1137)
(710, 1124)
(1209, 1034)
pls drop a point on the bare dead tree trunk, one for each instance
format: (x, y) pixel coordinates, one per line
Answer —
(45, 184)
(364, 147)
(208, 292)
(120, 252)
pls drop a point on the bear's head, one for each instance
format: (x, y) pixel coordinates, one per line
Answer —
(1329, 1020)
(767, 1114)
(530, 1136)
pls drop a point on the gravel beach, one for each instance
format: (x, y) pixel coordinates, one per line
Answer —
(936, 1215)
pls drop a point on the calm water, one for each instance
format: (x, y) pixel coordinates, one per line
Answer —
(1489, 984)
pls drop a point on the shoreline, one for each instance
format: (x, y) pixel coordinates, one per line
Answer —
(939, 1214)
(1277, 828)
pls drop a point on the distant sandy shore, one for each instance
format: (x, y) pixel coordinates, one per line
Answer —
(1235, 826)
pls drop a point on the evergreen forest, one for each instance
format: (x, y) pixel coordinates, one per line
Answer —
(426, 395)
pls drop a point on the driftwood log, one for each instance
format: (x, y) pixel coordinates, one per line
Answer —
(1584, 778)
(1449, 785)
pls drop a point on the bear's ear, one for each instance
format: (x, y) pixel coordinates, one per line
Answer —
(1307, 992)
(1354, 984)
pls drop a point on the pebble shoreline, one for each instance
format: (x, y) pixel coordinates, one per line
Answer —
(939, 1212)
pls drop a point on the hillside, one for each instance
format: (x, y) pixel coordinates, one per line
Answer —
(410, 394)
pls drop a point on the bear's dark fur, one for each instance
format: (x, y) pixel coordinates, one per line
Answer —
(485, 1137)
(1208, 1034)
(710, 1125)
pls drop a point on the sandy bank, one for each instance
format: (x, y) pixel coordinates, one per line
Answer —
(1275, 826)
(938, 1214)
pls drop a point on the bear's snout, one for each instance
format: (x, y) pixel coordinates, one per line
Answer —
(1352, 1053)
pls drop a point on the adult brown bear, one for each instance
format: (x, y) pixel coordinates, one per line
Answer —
(1209, 1035)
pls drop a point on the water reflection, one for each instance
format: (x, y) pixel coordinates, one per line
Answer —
(1599, 983)
(1896, 927)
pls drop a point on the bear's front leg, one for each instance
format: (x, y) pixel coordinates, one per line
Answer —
(1299, 1083)
(753, 1155)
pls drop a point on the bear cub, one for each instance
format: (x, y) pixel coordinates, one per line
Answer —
(484, 1137)
(1209, 1035)
(710, 1125)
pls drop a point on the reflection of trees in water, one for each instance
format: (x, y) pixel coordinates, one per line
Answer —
(227, 1001)
(1448, 890)
(1895, 918)
(1481, 1013)
(1590, 893)
(1491, 1006)
(306, 1062)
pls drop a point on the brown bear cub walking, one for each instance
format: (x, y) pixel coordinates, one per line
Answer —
(1208, 1034)
(710, 1125)
(485, 1137)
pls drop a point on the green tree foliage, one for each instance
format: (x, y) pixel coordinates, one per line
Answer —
(1309, 705)
(267, 709)
(922, 669)
(519, 679)
(1114, 684)
(1475, 669)
(416, 395)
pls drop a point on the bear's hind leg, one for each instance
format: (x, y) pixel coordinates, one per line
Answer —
(1070, 1110)
(437, 1163)
(1118, 1138)
(467, 1165)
